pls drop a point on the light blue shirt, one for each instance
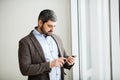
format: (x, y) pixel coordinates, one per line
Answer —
(50, 49)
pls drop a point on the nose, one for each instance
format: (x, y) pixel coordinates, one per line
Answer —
(52, 28)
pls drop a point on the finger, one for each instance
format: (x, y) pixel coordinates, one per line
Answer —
(59, 64)
(71, 60)
(61, 59)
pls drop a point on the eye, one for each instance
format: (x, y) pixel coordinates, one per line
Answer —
(51, 26)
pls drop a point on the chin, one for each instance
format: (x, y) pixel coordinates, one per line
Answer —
(49, 34)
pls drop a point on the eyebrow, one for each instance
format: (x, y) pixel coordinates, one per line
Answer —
(51, 25)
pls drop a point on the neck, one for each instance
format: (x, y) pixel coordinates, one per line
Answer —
(39, 30)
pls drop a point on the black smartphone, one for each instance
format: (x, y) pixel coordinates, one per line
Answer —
(74, 56)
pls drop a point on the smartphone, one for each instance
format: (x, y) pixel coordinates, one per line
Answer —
(74, 56)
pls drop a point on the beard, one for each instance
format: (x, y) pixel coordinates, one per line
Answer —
(47, 33)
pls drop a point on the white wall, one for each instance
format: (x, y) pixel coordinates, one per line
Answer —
(17, 19)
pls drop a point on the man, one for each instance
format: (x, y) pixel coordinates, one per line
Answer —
(41, 53)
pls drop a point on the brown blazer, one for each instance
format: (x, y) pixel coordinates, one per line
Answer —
(32, 61)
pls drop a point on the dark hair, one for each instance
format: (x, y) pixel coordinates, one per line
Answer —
(46, 15)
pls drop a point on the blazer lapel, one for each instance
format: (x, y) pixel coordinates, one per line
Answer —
(37, 46)
(58, 45)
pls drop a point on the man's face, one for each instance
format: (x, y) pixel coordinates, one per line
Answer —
(47, 28)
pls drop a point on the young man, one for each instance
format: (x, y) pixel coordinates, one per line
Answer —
(41, 53)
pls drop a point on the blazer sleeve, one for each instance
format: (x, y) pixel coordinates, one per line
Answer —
(26, 67)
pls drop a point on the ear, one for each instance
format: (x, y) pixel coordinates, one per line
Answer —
(40, 22)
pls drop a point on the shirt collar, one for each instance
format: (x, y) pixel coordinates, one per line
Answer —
(35, 32)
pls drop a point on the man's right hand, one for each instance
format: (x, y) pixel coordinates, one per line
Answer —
(57, 62)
